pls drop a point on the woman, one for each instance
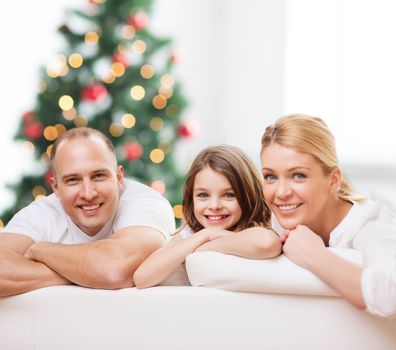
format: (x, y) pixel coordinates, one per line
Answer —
(316, 207)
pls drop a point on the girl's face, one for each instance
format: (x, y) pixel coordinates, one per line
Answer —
(215, 204)
(295, 188)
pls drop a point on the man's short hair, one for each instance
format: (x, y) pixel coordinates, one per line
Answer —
(79, 132)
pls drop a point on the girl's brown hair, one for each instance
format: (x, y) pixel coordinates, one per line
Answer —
(312, 136)
(245, 181)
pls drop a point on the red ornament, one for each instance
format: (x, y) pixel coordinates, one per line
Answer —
(33, 130)
(133, 150)
(94, 92)
(138, 20)
(120, 58)
(188, 129)
(28, 117)
(175, 57)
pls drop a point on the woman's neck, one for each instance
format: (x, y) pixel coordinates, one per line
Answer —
(332, 216)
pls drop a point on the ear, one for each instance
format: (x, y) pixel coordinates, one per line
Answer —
(335, 179)
(54, 185)
(120, 174)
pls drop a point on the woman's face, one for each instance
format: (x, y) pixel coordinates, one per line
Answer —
(295, 188)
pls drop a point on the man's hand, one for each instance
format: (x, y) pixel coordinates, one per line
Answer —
(19, 274)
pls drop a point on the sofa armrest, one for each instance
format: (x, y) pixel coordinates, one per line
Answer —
(277, 275)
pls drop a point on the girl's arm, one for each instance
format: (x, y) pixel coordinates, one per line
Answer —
(305, 248)
(163, 261)
(253, 243)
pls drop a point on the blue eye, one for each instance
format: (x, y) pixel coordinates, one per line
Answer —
(229, 195)
(269, 178)
(202, 195)
(299, 176)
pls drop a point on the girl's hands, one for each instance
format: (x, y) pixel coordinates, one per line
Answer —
(300, 244)
(213, 233)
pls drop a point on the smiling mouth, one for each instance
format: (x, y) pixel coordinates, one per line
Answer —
(216, 217)
(89, 208)
(288, 207)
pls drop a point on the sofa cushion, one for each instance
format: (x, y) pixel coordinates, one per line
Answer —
(277, 275)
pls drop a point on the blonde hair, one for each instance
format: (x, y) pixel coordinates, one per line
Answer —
(309, 135)
(245, 181)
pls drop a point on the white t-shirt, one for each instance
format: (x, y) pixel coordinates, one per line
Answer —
(370, 228)
(46, 220)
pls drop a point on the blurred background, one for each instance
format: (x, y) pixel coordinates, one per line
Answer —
(240, 64)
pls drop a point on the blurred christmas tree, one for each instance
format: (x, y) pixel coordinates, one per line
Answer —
(113, 76)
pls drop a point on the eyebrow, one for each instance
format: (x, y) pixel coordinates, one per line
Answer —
(205, 189)
(290, 170)
(91, 173)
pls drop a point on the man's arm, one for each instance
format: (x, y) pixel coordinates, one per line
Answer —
(18, 274)
(107, 263)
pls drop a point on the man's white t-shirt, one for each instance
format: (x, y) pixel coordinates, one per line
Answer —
(46, 220)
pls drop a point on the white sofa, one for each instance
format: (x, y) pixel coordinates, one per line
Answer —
(196, 317)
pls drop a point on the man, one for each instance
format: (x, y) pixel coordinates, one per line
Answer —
(94, 231)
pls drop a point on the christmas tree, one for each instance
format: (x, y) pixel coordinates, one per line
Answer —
(114, 76)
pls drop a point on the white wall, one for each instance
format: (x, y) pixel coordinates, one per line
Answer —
(340, 65)
(232, 65)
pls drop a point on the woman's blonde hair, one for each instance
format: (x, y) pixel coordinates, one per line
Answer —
(244, 179)
(309, 135)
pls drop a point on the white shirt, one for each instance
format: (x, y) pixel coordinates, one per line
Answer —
(370, 228)
(46, 220)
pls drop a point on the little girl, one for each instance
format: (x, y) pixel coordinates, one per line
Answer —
(224, 211)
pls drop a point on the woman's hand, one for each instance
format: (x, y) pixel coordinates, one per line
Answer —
(300, 243)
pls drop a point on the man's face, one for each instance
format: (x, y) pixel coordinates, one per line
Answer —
(87, 182)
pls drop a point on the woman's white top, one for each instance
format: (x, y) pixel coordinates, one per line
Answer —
(370, 228)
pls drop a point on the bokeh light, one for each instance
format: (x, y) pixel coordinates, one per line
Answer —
(138, 92)
(69, 114)
(147, 71)
(50, 133)
(156, 124)
(128, 120)
(75, 60)
(91, 38)
(167, 80)
(66, 102)
(128, 32)
(178, 211)
(157, 155)
(117, 69)
(139, 46)
(80, 121)
(158, 186)
(159, 102)
(116, 129)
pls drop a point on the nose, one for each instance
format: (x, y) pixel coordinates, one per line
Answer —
(284, 189)
(214, 203)
(88, 190)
